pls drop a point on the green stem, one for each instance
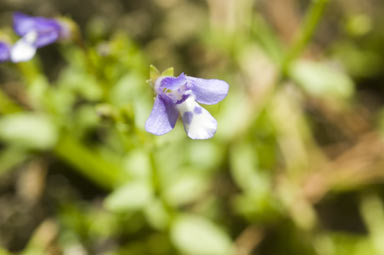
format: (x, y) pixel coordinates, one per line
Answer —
(155, 175)
(89, 163)
(157, 186)
(307, 30)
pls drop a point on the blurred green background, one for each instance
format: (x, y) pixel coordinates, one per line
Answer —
(296, 166)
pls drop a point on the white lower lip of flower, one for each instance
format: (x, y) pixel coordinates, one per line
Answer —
(23, 50)
(188, 105)
(200, 125)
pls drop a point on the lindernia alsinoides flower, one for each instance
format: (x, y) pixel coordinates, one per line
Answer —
(5, 51)
(36, 32)
(180, 96)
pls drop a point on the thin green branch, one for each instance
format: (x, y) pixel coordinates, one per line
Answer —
(158, 189)
(312, 19)
(104, 173)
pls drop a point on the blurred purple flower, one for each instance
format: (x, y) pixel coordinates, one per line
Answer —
(5, 51)
(180, 96)
(36, 32)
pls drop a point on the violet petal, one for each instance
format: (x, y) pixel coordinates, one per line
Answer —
(173, 82)
(4, 52)
(209, 91)
(163, 117)
(48, 30)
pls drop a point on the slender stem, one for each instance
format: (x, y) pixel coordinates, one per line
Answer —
(105, 173)
(306, 32)
(155, 174)
(157, 186)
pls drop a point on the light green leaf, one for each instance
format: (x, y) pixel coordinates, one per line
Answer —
(321, 79)
(137, 164)
(205, 155)
(168, 72)
(157, 215)
(154, 73)
(340, 243)
(185, 188)
(196, 235)
(132, 196)
(245, 170)
(28, 130)
(126, 89)
(82, 83)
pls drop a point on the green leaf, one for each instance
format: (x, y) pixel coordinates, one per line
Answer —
(137, 164)
(126, 89)
(372, 211)
(321, 79)
(28, 130)
(196, 235)
(157, 215)
(168, 72)
(154, 73)
(81, 82)
(185, 188)
(245, 169)
(340, 243)
(132, 196)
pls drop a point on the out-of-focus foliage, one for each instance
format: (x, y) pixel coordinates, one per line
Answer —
(296, 165)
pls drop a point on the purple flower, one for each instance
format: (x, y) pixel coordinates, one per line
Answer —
(5, 51)
(180, 96)
(36, 32)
